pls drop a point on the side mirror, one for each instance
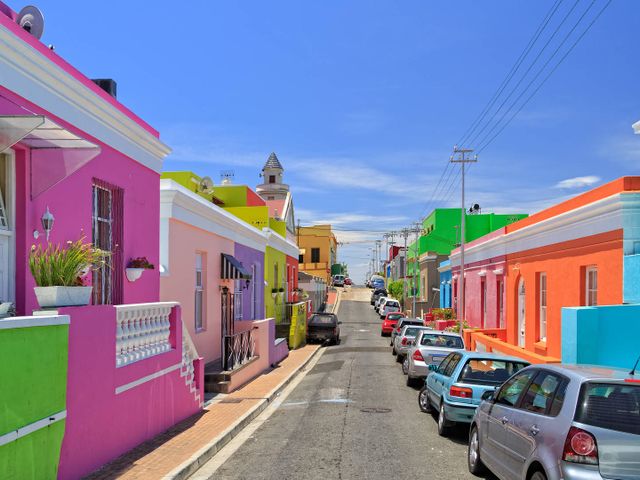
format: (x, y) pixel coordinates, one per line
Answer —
(488, 396)
(433, 367)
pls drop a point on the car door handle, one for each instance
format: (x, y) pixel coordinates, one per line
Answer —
(534, 430)
(504, 420)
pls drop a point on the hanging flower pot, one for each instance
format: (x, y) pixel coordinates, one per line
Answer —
(133, 274)
(136, 267)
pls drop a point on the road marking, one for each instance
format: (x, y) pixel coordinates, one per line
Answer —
(208, 470)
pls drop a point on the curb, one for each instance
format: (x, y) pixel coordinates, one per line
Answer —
(188, 468)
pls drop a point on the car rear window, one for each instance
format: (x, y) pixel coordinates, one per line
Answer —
(394, 316)
(489, 371)
(392, 304)
(613, 406)
(322, 319)
(444, 341)
(411, 331)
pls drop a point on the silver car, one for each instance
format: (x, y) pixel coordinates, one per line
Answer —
(402, 322)
(403, 341)
(560, 422)
(430, 347)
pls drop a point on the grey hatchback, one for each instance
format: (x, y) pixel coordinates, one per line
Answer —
(560, 422)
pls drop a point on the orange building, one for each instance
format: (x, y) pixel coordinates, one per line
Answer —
(572, 254)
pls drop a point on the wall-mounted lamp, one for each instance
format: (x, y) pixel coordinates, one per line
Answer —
(248, 282)
(47, 224)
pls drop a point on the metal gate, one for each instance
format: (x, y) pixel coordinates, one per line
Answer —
(227, 325)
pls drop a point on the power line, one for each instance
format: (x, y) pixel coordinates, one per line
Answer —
(484, 144)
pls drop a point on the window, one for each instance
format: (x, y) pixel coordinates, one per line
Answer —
(511, 391)
(486, 371)
(542, 285)
(500, 297)
(300, 258)
(199, 294)
(614, 406)
(591, 286)
(451, 366)
(238, 303)
(443, 365)
(315, 255)
(540, 394)
(272, 179)
(254, 292)
(107, 235)
(439, 340)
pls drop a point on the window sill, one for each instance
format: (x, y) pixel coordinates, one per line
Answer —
(540, 347)
(200, 330)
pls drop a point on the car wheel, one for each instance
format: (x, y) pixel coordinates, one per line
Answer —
(382, 334)
(411, 382)
(476, 466)
(538, 476)
(399, 359)
(405, 366)
(423, 400)
(443, 424)
(393, 351)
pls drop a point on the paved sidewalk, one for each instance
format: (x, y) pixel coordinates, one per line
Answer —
(180, 451)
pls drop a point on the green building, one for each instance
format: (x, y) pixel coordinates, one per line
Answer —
(442, 235)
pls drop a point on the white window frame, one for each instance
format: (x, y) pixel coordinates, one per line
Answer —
(543, 289)
(104, 296)
(198, 308)
(591, 286)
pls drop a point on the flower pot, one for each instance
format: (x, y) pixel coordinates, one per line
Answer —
(133, 274)
(51, 297)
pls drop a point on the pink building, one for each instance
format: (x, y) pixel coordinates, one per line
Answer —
(71, 149)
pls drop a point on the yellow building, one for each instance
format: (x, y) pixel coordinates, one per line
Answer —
(318, 250)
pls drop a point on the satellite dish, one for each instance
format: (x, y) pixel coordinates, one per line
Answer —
(31, 19)
(206, 184)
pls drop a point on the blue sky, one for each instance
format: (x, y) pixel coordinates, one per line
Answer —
(364, 100)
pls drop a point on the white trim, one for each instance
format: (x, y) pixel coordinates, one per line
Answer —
(277, 242)
(602, 216)
(35, 321)
(148, 378)
(498, 271)
(32, 427)
(481, 273)
(29, 74)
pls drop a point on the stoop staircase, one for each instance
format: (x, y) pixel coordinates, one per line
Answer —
(187, 371)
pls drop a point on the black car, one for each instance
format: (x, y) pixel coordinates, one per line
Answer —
(323, 328)
(377, 293)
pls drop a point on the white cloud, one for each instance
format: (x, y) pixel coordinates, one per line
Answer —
(578, 182)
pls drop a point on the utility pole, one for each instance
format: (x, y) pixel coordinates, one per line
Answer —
(462, 159)
(417, 230)
(378, 245)
(405, 233)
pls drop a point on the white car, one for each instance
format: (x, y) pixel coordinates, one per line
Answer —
(391, 305)
(379, 302)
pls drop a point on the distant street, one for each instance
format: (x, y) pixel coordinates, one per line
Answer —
(352, 416)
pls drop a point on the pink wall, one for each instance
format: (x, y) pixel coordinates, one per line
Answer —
(101, 425)
(179, 284)
(70, 201)
(263, 334)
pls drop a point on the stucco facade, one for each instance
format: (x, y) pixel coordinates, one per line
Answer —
(318, 250)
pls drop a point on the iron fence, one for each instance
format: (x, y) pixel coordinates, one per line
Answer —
(239, 349)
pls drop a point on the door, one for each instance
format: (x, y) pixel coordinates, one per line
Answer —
(531, 422)
(521, 313)
(495, 445)
(7, 230)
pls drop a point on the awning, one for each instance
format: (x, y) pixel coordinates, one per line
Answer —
(55, 151)
(232, 268)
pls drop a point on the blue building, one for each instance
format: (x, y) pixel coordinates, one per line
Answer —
(445, 284)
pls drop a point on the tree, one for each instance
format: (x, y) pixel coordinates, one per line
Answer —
(396, 289)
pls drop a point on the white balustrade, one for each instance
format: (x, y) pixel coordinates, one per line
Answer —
(142, 330)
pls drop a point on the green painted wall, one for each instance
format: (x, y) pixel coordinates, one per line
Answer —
(231, 195)
(273, 303)
(255, 216)
(278, 226)
(33, 373)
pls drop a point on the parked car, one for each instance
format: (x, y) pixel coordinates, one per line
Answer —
(376, 294)
(379, 302)
(323, 327)
(389, 323)
(338, 280)
(560, 422)
(401, 323)
(377, 283)
(389, 306)
(455, 387)
(347, 281)
(403, 341)
(431, 346)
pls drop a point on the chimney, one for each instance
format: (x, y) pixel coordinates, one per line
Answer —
(108, 85)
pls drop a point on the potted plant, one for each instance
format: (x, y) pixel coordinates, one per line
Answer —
(136, 266)
(59, 272)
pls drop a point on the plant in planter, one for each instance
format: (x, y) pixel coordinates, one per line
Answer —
(136, 266)
(59, 272)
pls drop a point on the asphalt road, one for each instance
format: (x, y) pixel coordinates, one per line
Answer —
(351, 417)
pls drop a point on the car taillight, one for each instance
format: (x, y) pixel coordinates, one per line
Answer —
(417, 356)
(580, 447)
(404, 341)
(461, 392)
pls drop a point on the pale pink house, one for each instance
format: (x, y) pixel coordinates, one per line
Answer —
(212, 262)
(70, 148)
